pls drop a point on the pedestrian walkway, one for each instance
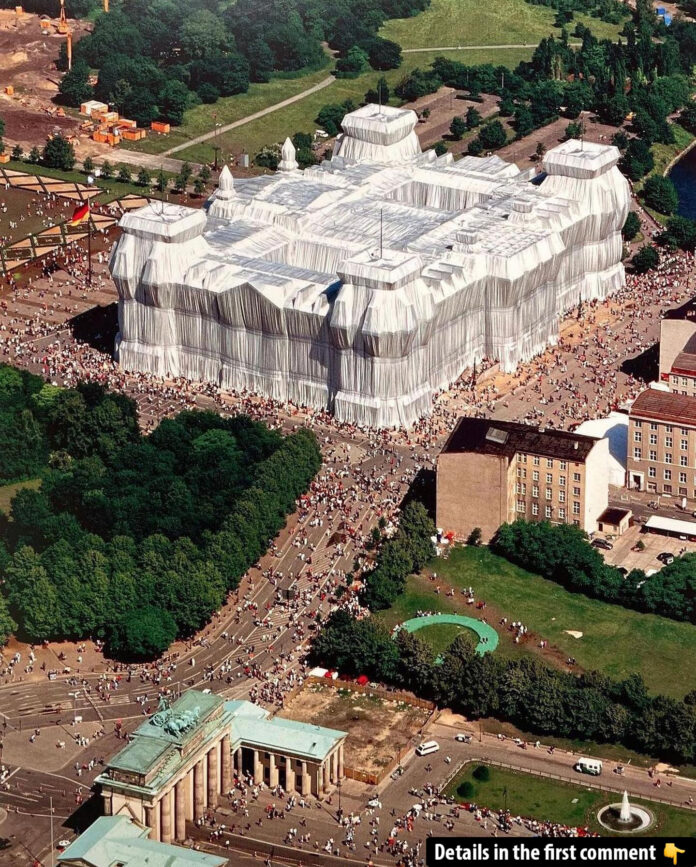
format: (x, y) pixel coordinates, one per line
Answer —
(488, 637)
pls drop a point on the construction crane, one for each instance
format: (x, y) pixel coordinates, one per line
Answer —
(62, 27)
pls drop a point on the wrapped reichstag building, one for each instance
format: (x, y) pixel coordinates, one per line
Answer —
(366, 283)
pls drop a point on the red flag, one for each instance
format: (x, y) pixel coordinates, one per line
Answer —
(80, 214)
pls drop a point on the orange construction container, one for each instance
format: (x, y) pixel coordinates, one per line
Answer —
(134, 134)
(100, 136)
(4, 158)
(156, 126)
(129, 124)
(9, 90)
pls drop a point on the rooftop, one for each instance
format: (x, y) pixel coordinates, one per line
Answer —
(685, 362)
(119, 840)
(613, 515)
(665, 406)
(506, 438)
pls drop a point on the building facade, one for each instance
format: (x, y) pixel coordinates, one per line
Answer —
(662, 444)
(366, 283)
(494, 472)
(181, 759)
(678, 355)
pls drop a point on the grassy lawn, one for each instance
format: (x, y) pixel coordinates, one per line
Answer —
(300, 116)
(663, 155)
(467, 22)
(615, 640)
(229, 109)
(7, 492)
(566, 803)
(440, 636)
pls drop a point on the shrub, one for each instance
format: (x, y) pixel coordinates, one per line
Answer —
(466, 790)
(482, 774)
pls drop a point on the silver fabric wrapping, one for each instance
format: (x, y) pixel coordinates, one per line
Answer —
(367, 283)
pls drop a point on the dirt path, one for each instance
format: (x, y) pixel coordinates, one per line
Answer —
(325, 82)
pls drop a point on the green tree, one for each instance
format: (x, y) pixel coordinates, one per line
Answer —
(680, 232)
(107, 170)
(88, 165)
(350, 66)
(645, 259)
(142, 634)
(198, 186)
(380, 94)
(473, 118)
(74, 87)
(7, 624)
(458, 127)
(173, 102)
(124, 174)
(34, 155)
(631, 227)
(440, 148)
(383, 53)
(637, 160)
(660, 194)
(144, 179)
(161, 181)
(58, 153)
(492, 135)
(17, 152)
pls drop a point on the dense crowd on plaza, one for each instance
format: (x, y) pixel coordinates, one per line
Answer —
(364, 476)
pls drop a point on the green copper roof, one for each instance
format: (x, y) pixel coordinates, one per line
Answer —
(119, 840)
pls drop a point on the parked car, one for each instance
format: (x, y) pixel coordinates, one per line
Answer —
(602, 543)
(463, 738)
(666, 557)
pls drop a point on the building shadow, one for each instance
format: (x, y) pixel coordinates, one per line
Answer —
(645, 366)
(96, 327)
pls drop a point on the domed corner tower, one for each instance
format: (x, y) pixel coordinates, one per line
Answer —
(379, 134)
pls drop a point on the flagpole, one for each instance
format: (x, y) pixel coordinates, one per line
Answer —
(90, 180)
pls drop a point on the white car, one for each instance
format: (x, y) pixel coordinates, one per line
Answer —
(462, 738)
(63, 844)
(374, 802)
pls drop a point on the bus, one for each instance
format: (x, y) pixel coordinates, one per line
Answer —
(427, 747)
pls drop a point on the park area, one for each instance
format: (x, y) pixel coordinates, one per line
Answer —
(550, 800)
(379, 730)
(603, 637)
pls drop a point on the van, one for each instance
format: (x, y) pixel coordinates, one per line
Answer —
(589, 766)
(427, 747)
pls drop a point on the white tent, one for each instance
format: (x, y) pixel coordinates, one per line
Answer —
(368, 282)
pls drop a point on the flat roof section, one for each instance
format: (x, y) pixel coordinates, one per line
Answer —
(671, 525)
(506, 438)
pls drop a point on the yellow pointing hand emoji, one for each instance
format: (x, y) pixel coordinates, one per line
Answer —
(671, 851)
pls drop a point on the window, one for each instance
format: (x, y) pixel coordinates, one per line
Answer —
(637, 453)
(562, 481)
(685, 432)
(667, 475)
(521, 473)
(576, 492)
(653, 455)
(549, 463)
(667, 489)
(520, 505)
(638, 423)
(535, 475)
(668, 428)
(637, 436)
(561, 496)
(668, 457)
(576, 523)
(682, 492)
(683, 461)
(685, 381)
(548, 493)
(536, 460)
(576, 508)
(653, 439)
(564, 465)
(682, 478)
(576, 477)
(549, 478)
(684, 445)
(652, 472)
(519, 457)
(547, 512)
(668, 442)
(535, 490)
(652, 487)
(562, 514)
(535, 508)
(653, 426)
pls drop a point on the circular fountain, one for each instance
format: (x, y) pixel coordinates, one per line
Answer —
(625, 818)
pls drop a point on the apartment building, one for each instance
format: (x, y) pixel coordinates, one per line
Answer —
(662, 444)
(678, 355)
(493, 472)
